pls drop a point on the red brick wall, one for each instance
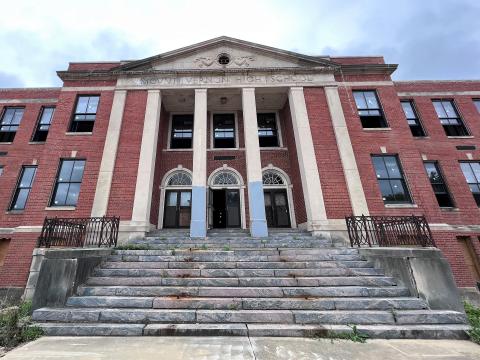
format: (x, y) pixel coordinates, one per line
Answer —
(15, 269)
(122, 191)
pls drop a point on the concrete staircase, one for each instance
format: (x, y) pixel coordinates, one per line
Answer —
(289, 284)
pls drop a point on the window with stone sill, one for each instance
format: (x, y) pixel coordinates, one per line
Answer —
(369, 109)
(391, 179)
(439, 186)
(43, 124)
(449, 118)
(22, 190)
(181, 136)
(412, 118)
(267, 130)
(68, 181)
(223, 131)
(85, 113)
(11, 118)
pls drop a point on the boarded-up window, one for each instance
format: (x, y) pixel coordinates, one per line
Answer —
(4, 244)
(471, 258)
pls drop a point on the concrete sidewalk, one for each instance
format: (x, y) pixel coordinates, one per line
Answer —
(225, 348)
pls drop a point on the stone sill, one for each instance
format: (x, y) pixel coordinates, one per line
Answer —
(449, 209)
(14, 212)
(378, 129)
(6, 143)
(177, 149)
(226, 149)
(36, 142)
(273, 148)
(460, 137)
(60, 208)
(401, 206)
(78, 133)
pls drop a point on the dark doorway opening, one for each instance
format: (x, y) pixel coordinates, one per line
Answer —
(226, 208)
(276, 208)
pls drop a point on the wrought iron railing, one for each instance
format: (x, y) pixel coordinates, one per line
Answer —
(387, 231)
(79, 232)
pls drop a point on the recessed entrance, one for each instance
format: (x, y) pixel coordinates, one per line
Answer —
(225, 208)
(177, 208)
(276, 208)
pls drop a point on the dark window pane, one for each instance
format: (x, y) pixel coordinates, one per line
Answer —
(68, 183)
(85, 114)
(27, 177)
(390, 179)
(267, 130)
(65, 171)
(182, 132)
(23, 188)
(224, 130)
(369, 110)
(386, 190)
(477, 104)
(9, 123)
(392, 167)
(399, 190)
(379, 165)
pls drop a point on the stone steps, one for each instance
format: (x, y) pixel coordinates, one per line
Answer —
(225, 291)
(236, 264)
(244, 281)
(291, 284)
(444, 331)
(236, 273)
(312, 303)
(333, 317)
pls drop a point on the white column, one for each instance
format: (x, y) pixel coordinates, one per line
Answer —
(349, 164)
(258, 223)
(198, 225)
(146, 163)
(105, 175)
(312, 190)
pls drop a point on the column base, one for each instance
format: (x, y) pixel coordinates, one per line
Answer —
(258, 228)
(198, 222)
(198, 229)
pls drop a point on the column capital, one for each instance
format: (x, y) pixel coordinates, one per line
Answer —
(201, 90)
(296, 88)
(153, 91)
(248, 89)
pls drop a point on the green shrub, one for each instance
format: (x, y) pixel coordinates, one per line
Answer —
(16, 325)
(473, 315)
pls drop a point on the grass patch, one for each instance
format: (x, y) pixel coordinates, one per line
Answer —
(473, 315)
(16, 325)
(204, 247)
(133, 247)
(354, 335)
(226, 248)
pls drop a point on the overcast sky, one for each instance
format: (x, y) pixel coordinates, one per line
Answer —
(429, 39)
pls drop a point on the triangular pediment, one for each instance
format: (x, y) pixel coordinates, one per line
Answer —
(225, 53)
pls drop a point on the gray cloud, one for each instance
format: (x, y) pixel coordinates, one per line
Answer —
(429, 39)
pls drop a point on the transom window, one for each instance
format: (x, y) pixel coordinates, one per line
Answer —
(438, 184)
(12, 116)
(271, 177)
(471, 171)
(23, 188)
(369, 110)
(449, 118)
(267, 130)
(223, 131)
(67, 185)
(180, 178)
(43, 124)
(225, 178)
(412, 118)
(182, 131)
(390, 179)
(85, 113)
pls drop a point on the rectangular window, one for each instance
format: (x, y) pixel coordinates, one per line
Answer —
(476, 102)
(390, 179)
(223, 131)
(412, 118)
(85, 113)
(449, 118)
(267, 130)
(471, 171)
(369, 110)
(23, 188)
(182, 132)
(67, 184)
(1, 170)
(438, 184)
(43, 124)
(12, 116)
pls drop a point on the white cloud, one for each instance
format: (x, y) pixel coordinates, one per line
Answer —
(39, 37)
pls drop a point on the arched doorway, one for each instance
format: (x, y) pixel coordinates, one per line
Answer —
(176, 199)
(277, 190)
(226, 199)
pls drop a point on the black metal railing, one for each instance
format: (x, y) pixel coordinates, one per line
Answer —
(79, 232)
(387, 231)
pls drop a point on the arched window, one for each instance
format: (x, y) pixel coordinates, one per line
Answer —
(180, 178)
(272, 178)
(225, 178)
